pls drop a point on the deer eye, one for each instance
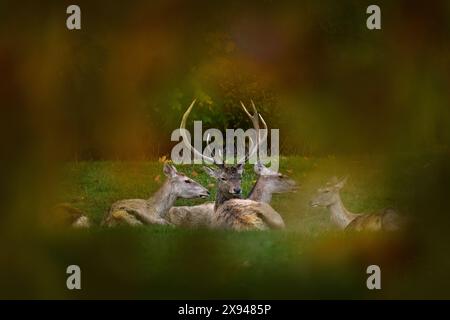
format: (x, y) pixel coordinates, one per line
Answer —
(223, 179)
(281, 176)
(187, 181)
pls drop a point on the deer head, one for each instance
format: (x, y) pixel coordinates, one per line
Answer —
(272, 181)
(183, 186)
(329, 194)
(228, 179)
(228, 176)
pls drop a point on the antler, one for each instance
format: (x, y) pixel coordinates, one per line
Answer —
(186, 140)
(255, 120)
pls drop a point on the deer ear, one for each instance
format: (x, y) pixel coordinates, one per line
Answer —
(341, 182)
(334, 180)
(169, 170)
(240, 168)
(258, 168)
(211, 172)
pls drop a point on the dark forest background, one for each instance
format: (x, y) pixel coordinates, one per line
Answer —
(117, 88)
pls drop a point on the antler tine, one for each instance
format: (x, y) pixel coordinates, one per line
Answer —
(266, 131)
(184, 137)
(255, 120)
(256, 112)
(245, 109)
(253, 105)
(263, 121)
(253, 117)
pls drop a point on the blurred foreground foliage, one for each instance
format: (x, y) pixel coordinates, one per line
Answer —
(310, 259)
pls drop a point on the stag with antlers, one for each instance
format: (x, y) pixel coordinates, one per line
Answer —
(230, 210)
(268, 183)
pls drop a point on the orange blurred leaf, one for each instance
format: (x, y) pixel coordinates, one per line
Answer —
(162, 159)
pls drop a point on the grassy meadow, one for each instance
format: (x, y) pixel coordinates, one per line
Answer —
(94, 186)
(310, 259)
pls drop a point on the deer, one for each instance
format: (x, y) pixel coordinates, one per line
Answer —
(154, 209)
(72, 216)
(268, 182)
(329, 196)
(230, 210)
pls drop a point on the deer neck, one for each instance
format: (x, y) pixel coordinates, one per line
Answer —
(162, 200)
(339, 214)
(259, 192)
(222, 197)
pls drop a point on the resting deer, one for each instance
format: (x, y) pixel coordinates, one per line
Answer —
(72, 216)
(230, 210)
(268, 183)
(328, 196)
(154, 209)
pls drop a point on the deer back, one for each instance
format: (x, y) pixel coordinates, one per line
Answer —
(386, 219)
(191, 216)
(243, 214)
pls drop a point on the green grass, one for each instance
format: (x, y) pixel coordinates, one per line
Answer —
(310, 259)
(94, 186)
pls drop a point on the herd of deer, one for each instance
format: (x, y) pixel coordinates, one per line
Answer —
(230, 210)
